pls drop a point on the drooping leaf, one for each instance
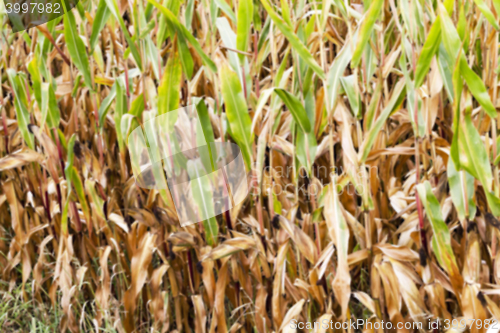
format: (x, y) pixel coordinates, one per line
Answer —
(365, 30)
(377, 126)
(237, 113)
(229, 40)
(106, 103)
(336, 72)
(245, 8)
(120, 110)
(296, 109)
(169, 89)
(80, 192)
(441, 240)
(226, 9)
(452, 43)
(182, 32)
(202, 194)
(113, 7)
(22, 114)
(137, 106)
(458, 181)
(339, 233)
(101, 17)
(50, 110)
(429, 49)
(487, 13)
(293, 39)
(36, 78)
(76, 48)
(474, 159)
(350, 85)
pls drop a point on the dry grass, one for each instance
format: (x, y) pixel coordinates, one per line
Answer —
(395, 99)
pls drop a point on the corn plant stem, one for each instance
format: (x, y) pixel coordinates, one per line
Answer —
(190, 269)
(5, 128)
(423, 238)
(52, 41)
(494, 129)
(254, 60)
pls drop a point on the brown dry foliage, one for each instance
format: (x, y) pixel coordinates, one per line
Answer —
(307, 246)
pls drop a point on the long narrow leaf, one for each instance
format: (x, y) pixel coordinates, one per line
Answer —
(293, 39)
(237, 113)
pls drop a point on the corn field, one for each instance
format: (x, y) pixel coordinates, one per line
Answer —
(370, 138)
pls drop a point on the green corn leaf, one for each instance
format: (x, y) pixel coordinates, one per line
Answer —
(496, 5)
(477, 88)
(185, 56)
(487, 13)
(336, 72)
(296, 109)
(394, 102)
(22, 114)
(293, 39)
(229, 39)
(50, 110)
(285, 11)
(96, 199)
(372, 108)
(163, 29)
(137, 106)
(457, 180)
(151, 52)
(441, 240)
(445, 70)
(452, 43)
(429, 49)
(70, 159)
(76, 48)
(474, 159)
(457, 91)
(189, 13)
(222, 4)
(113, 7)
(207, 138)
(245, 7)
(36, 78)
(338, 231)
(67, 172)
(169, 90)
(462, 28)
(202, 194)
(64, 217)
(306, 144)
(97, 54)
(350, 85)
(80, 192)
(106, 103)
(120, 110)
(101, 17)
(204, 117)
(365, 30)
(431, 46)
(182, 32)
(237, 113)
(411, 96)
